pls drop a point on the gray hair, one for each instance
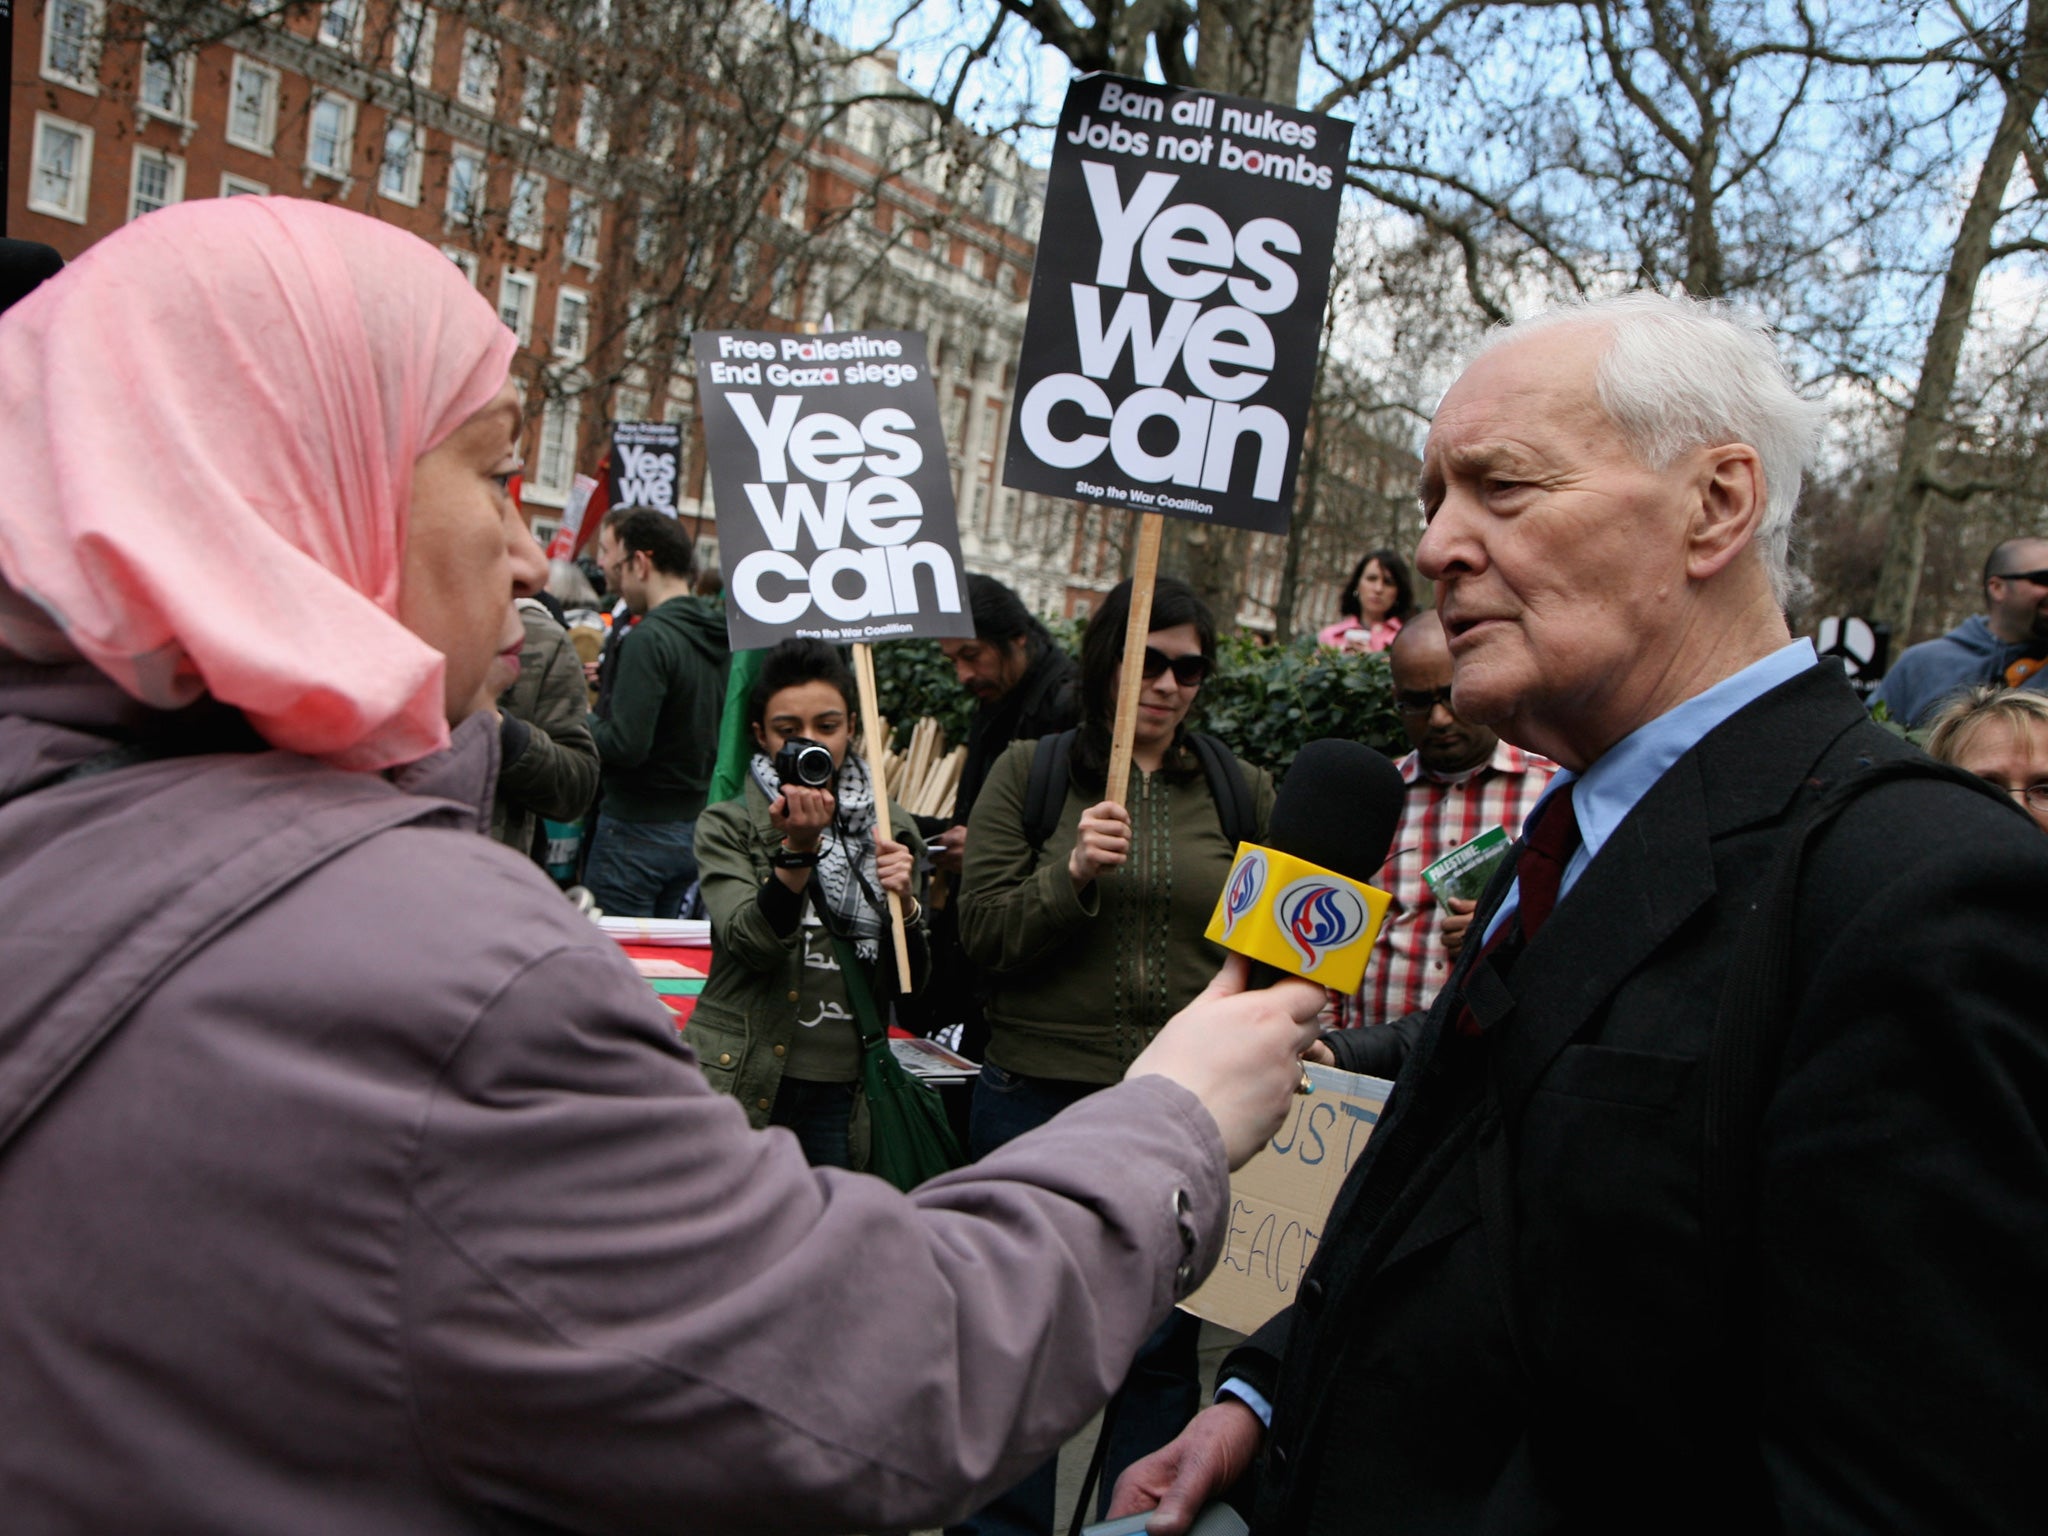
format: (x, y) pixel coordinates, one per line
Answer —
(1682, 373)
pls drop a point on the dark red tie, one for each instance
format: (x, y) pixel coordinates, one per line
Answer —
(1552, 842)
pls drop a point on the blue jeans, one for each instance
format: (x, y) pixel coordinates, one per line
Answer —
(1163, 1388)
(821, 1114)
(641, 868)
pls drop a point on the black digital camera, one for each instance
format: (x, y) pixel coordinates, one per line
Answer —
(803, 761)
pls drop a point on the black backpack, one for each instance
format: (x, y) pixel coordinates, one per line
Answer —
(1046, 790)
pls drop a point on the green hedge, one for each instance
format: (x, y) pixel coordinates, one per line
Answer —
(1265, 700)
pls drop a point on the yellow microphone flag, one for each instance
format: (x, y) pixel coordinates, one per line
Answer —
(1298, 917)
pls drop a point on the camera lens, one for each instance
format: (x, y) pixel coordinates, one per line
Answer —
(803, 761)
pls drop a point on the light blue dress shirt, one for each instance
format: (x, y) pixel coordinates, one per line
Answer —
(1609, 790)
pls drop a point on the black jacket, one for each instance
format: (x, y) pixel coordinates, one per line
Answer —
(1512, 1324)
(1047, 699)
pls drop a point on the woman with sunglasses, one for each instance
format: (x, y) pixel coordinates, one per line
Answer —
(1092, 939)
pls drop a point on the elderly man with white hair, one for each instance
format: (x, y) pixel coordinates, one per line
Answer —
(1711, 1197)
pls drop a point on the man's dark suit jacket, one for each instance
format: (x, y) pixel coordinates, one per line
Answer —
(1891, 1365)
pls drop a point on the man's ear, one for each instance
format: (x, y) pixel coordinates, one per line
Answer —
(1727, 509)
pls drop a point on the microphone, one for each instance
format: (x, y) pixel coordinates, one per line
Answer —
(1302, 904)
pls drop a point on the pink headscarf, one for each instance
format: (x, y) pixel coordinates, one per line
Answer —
(209, 423)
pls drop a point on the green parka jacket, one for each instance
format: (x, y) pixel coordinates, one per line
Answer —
(746, 1016)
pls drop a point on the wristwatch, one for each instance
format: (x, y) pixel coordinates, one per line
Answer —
(786, 857)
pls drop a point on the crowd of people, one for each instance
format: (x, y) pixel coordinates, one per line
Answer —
(1708, 1195)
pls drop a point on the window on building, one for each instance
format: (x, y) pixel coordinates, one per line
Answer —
(572, 323)
(593, 128)
(537, 99)
(647, 234)
(166, 89)
(62, 173)
(399, 176)
(782, 290)
(639, 326)
(554, 464)
(412, 42)
(515, 304)
(71, 43)
(330, 136)
(252, 106)
(341, 24)
(629, 405)
(526, 213)
(579, 234)
(477, 83)
(465, 185)
(157, 181)
(663, 121)
(740, 278)
(465, 261)
(232, 185)
(796, 194)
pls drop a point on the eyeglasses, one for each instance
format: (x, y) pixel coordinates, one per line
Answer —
(2038, 578)
(1188, 670)
(1421, 701)
(2035, 796)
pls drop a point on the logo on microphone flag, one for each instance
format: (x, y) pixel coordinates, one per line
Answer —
(1247, 884)
(1317, 916)
(1298, 917)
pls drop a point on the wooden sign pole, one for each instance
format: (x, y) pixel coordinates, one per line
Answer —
(1151, 525)
(871, 728)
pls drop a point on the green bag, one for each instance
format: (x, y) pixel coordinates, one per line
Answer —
(909, 1139)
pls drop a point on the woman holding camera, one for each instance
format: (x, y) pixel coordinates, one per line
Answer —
(793, 873)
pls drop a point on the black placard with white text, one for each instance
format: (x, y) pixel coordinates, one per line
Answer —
(835, 499)
(647, 461)
(1177, 304)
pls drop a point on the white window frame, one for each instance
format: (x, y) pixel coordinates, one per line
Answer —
(418, 17)
(87, 82)
(348, 135)
(72, 211)
(347, 38)
(408, 189)
(593, 131)
(796, 195)
(630, 404)
(566, 300)
(267, 130)
(174, 178)
(480, 46)
(530, 233)
(232, 185)
(527, 285)
(180, 65)
(582, 235)
(465, 261)
(479, 186)
(537, 98)
(559, 419)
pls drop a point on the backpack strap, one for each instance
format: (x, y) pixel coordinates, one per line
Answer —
(1045, 792)
(1233, 797)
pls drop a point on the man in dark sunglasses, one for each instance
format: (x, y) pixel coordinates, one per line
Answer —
(2007, 643)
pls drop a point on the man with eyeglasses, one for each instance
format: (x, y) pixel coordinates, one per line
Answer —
(1462, 781)
(2007, 643)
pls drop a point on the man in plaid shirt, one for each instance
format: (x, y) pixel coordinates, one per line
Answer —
(1462, 779)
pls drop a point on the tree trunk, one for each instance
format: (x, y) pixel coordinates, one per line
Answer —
(1905, 544)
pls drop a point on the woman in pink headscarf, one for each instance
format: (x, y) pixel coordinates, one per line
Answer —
(351, 1181)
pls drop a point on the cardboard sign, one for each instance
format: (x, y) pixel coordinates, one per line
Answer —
(1177, 304)
(836, 517)
(1280, 1199)
(646, 464)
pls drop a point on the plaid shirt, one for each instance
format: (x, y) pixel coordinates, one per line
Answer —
(1409, 960)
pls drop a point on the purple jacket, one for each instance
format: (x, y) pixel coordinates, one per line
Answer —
(351, 1182)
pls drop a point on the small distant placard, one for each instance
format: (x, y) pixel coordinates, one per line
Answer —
(646, 464)
(1281, 1198)
(1177, 302)
(836, 518)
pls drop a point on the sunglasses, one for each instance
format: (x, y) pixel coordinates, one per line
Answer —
(2038, 578)
(1188, 671)
(1420, 701)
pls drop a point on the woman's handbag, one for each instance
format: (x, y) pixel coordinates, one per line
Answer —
(909, 1140)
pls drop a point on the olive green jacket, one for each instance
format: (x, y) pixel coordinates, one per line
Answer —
(745, 1018)
(1080, 981)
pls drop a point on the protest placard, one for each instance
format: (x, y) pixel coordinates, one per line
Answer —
(835, 498)
(1177, 303)
(1281, 1198)
(646, 464)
